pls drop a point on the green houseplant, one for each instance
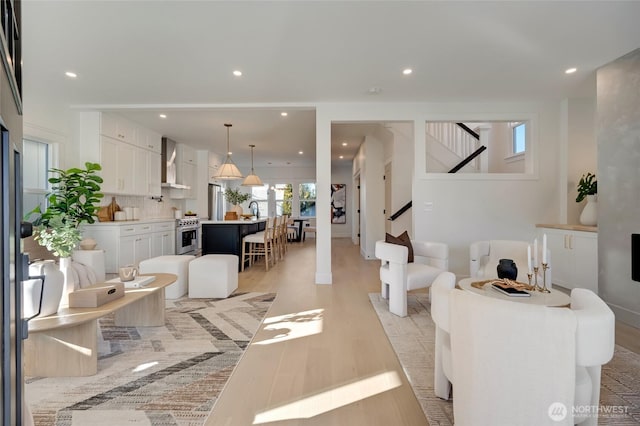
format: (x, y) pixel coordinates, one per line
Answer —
(73, 200)
(588, 188)
(235, 197)
(588, 185)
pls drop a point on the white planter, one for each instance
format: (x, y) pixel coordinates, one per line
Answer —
(71, 281)
(589, 215)
(51, 293)
(238, 209)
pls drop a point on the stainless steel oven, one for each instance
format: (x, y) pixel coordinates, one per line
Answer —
(187, 235)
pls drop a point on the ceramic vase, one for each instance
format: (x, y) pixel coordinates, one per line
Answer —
(589, 215)
(71, 281)
(51, 292)
(507, 269)
(238, 209)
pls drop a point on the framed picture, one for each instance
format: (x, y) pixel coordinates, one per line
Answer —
(338, 203)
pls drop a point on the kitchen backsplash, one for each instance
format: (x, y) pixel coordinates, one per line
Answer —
(149, 209)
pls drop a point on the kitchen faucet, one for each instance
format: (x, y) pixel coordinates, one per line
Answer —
(257, 208)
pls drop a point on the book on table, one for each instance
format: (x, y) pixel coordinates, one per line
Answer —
(510, 291)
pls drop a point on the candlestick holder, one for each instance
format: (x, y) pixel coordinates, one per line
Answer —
(529, 275)
(544, 288)
(535, 279)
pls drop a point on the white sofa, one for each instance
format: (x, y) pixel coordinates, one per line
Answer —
(397, 276)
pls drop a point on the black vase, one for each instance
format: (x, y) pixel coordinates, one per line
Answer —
(507, 269)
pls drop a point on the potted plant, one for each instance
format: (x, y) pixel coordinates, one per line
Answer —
(235, 197)
(72, 201)
(588, 188)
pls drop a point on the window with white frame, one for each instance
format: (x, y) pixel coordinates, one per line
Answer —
(36, 164)
(260, 194)
(283, 197)
(519, 137)
(307, 197)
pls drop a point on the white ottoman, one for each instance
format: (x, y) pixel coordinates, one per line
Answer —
(213, 276)
(178, 265)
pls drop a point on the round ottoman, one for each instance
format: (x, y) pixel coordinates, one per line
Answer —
(213, 276)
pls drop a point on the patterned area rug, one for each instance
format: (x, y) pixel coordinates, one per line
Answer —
(413, 338)
(170, 375)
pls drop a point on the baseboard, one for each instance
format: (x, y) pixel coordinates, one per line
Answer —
(324, 278)
(625, 315)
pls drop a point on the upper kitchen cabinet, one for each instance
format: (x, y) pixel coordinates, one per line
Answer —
(114, 126)
(148, 139)
(187, 171)
(128, 153)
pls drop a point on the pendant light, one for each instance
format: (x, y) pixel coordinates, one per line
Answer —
(252, 179)
(228, 170)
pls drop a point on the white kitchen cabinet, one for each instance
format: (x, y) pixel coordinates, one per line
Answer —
(130, 165)
(163, 239)
(148, 140)
(117, 161)
(129, 243)
(574, 255)
(117, 127)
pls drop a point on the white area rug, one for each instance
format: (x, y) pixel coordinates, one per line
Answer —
(413, 337)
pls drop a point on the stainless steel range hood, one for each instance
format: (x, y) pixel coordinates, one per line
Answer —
(169, 165)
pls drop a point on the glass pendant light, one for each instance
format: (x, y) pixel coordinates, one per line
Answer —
(228, 169)
(252, 179)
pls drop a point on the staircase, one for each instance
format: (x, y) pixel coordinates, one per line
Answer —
(449, 144)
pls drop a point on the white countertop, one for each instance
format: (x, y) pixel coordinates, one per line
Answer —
(131, 222)
(231, 222)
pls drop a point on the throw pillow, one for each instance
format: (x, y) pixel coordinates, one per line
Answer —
(403, 240)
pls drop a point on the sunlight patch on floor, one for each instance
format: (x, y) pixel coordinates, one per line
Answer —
(332, 399)
(291, 326)
(144, 366)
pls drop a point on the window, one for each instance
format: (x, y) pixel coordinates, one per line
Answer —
(519, 135)
(36, 160)
(284, 196)
(260, 194)
(307, 193)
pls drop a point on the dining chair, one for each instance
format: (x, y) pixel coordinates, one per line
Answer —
(309, 228)
(440, 291)
(292, 230)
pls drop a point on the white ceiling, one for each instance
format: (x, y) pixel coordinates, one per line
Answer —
(177, 57)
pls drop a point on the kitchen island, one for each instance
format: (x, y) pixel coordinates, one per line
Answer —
(225, 236)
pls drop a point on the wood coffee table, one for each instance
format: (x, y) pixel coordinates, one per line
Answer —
(66, 343)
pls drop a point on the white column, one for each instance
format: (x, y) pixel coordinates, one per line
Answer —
(323, 197)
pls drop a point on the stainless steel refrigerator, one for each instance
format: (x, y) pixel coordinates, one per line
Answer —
(215, 202)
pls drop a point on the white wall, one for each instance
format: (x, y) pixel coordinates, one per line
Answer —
(402, 176)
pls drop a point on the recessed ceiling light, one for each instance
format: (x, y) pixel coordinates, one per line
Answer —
(344, 144)
(341, 157)
(571, 70)
(229, 153)
(284, 113)
(163, 115)
(407, 71)
(71, 74)
(300, 152)
(237, 73)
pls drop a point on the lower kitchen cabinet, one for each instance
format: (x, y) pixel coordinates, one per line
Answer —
(128, 243)
(574, 255)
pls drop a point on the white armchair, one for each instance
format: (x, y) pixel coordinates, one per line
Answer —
(512, 361)
(484, 257)
(397, 276)
(442, 375)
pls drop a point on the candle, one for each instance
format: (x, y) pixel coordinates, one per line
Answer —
(544, 248)
(535, 253)
(529, 258)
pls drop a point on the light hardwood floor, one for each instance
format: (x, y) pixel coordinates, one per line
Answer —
(326, 360)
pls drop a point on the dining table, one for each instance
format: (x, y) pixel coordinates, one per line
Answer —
(555, 297)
